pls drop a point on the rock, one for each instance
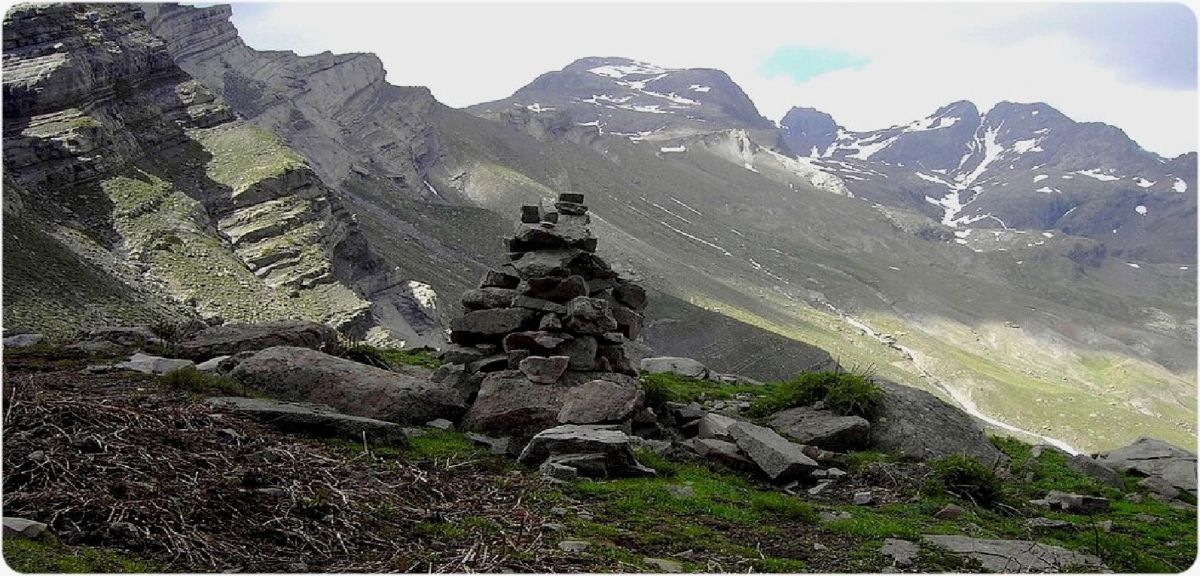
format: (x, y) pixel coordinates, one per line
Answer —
(531, 214)
(38, 457)
(863, 498)
(589, 316)
(631, 295)
(560, 262)
(212, 364)
(229, 339)
(550, 322)
(822, 428)
(509, 402)
(1074, 503)
(558, 470)
(1088, 466)
(820, 487)
(534, 341)
(503, 445)
(616, 359)
(313, 420)
(779, 459)
(916, 424)
(23, 528)
(674, 365)
(440, 424)
(834, 515)
(1014, 555)
(902, 552)
(662, 565)
(608, 447)
(498, 279)
(722, 452)
(539, 305)
(22, 341)
(148, 364)
(1159, 486)
(125, 337)
(485, 298)
(1040, 523)
(559, 290)
(544, 370)
(574, 545)
(581, 351)
(949, 512)
(715, 426)
(1150, 457)
(490, 325)
(1038, 450)
(598, 401)
(455, 354)
(357, 389)
(684, 414)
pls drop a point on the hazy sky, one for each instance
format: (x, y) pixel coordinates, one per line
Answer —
(869, 65)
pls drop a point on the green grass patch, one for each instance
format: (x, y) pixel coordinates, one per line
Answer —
(389, 358)
(1049, 471)
(441, 444)
(967, 478)
(844, 393)
(666, 387)
(47, 554)
(204, 383)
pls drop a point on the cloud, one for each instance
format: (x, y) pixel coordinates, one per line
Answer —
(873, 65)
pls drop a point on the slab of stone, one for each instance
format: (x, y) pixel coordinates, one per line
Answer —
(313, 420)
(590, 449)
(778, 458)
(1089, 466)
(674, 365)
(663, 565)
(1014, 555)
(589, 316)
(917, 424)
(490, 325)
(23, 528)
(484, 298)
(499, 279)
(230, 339)
(212, 364)
(542, 369)
(598, 401)
(902, 552)
(1152, 457)
(822, 428)
(714, 425)
(23, 340)
(148, 364)
(1074, 503)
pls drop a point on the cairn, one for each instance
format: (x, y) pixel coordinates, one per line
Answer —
(556, 317)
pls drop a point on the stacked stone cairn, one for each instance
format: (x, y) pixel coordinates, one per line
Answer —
(541, 343)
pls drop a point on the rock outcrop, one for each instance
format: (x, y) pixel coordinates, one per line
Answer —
(917, 424)
(1155, 459)
(543, 336)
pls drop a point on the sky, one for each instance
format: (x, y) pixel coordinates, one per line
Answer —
(1132, 65)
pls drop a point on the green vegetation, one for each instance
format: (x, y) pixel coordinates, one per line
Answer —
(389, 358)
(666, 387)
(1049, 471)
(966, 477)
(47, 554)
(244, 155)
(442, 444)
(842, 392)
(203, 383)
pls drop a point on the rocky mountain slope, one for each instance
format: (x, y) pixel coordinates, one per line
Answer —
(1015, 167)
(123, 165)
(751, 264)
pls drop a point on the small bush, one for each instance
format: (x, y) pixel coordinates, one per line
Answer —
(967, 477)
(665, 387)
(203, 383)
(389, 358)
(842, 392)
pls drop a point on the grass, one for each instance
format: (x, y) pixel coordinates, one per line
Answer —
(666, 387)
(1049, 471)
(47, 554)
(966, 477)
(203, 383)
(389, 358)
(842, 392)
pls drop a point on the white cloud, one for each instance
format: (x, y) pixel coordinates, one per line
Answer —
(922, 56)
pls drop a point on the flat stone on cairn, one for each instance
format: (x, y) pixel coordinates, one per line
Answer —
(556, 309)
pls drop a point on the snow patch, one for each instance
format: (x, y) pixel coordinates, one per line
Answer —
(1039, 178)
(425, 295)
(535, 107)
(700, 240)
(611, 71)
(1097, 174)
(1132, 265)
(1140, 209)
(1179, 186)
(1142, 182)
(680, 148)
(1046, 190)
(1031, 145)
(1048, 234)
(699, 88)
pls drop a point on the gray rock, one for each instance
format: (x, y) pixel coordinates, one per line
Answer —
(509, 403)
(589, 316)
(1086, 465)
(440, 424)
(357, 389)
(127, 337)
(1151, 457)
(498, 279)
(148, 364)
(212, 364)
(490, 325)
(1157, 485)
(560, 290)
(1074, 503)
(674, 365)
(1040, 449)
(313, 420)
(1040, 523)
(822, 428)
(581, 351)
(539, 305)
(229, 339)
(537, 341)
(544, 370)
(23, 528)
(916, 424)
(502, 445)
(550, 322)
(863, 498)
(485, 298)
(950, 512)
(722, 452)
(779, 459)
(715, 426)
(1014, 555)
(663, 565)
(902, 552)
(455, 354)
(574, 545)
(23, 340)
(631, 295)
(820, 487)
(598, 401)
(834, 515)
(605, 447)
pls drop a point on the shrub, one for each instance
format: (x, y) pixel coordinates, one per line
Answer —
(842, 392)
(665, 387)
(968, 478)
(200, 382)
(388, 358)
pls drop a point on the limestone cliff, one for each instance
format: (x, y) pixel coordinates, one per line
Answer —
(120, 161)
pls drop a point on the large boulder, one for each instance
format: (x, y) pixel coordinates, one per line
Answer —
(313, 420)
(294, 373)
(229, 339)
(23, 340)
(674, 365)
(510, 403)
(780, 460)
(822, 428)
(1014, 555)
(597, 401)
(147, 364)
(1155, 458)
(1087, 465)
(595, 451)
(917, 424)
(488, 325)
